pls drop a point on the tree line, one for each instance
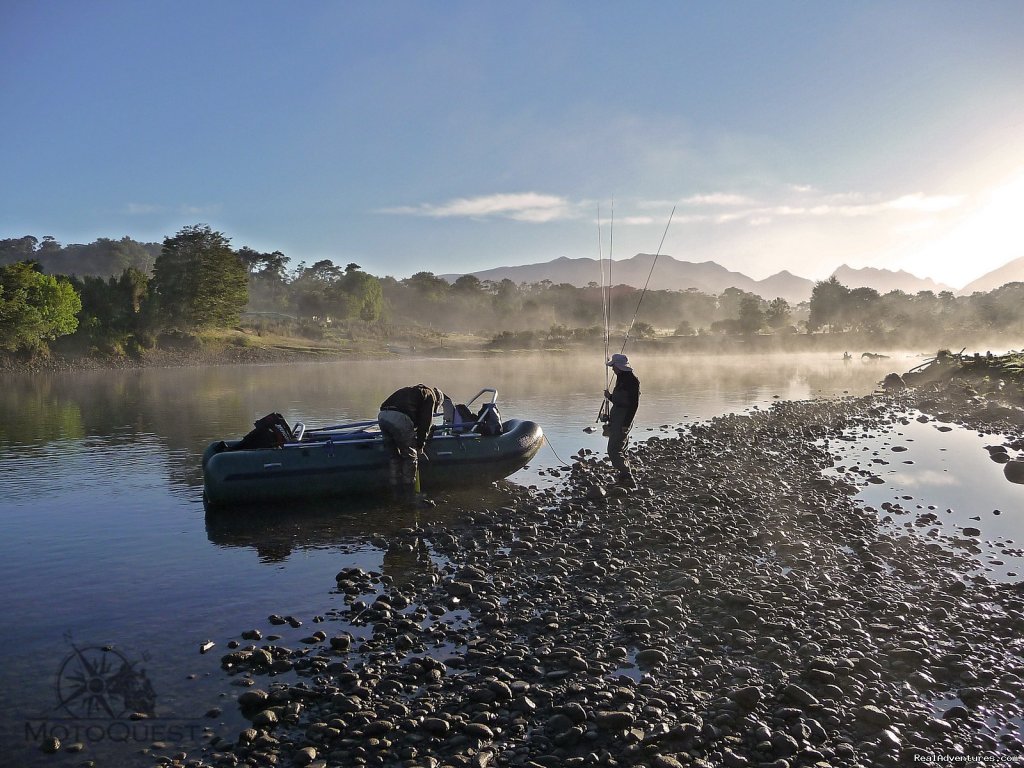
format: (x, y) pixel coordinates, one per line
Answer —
(122, 297)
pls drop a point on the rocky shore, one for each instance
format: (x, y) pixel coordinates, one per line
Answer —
(738, 608)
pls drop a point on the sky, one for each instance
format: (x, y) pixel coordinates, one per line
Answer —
(455, 136)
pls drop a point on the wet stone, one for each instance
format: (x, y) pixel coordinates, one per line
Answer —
(872, 715)
(800, 695)
(773, 619)
(651, 657)
(614, 721)
(747, 697)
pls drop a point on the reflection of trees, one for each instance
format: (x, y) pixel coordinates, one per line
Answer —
(186, 408)
(32, 414)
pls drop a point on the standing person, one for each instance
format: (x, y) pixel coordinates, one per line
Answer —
(625, 398)
(405, 420)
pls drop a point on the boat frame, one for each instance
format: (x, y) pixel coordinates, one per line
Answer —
(351, 458)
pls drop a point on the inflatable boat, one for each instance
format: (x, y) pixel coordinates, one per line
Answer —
(346, 459)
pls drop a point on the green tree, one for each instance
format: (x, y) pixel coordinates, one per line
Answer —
(468, 285)
(751, 317)
(13, 250)
(199, 281)
(779, 313)
(828, 304)
(428, 286)
(317, 292)
(861, 309)
(266, 270)
(366, 298)
(35, 308)
(111, 309)
(685, 328)
(642, 330)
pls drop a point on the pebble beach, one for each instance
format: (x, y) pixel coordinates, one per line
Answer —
(739, 607)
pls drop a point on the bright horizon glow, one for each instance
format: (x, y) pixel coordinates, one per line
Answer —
(994, 233)
(464, 137)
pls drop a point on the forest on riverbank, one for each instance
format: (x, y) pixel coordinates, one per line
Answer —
(194, 296)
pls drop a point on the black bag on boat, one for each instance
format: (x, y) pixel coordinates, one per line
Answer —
(272, 431)
(463, 418)
(490, 420)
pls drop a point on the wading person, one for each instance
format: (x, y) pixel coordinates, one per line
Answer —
(405, 420)
(625, 398)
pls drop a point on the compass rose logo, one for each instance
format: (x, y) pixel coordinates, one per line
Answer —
(99, 683)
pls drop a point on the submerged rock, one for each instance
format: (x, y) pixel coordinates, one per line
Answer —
(1014, 471)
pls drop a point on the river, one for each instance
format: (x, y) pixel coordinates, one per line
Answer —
(108, 561)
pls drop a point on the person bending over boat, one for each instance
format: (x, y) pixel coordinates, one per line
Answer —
(625, 399)
(405, 420)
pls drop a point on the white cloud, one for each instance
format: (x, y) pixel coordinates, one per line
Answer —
(718, 198)
(143, 209)
(928, 204)
(815, 205)
(528, 206)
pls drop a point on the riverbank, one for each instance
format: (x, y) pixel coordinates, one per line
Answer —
(233, 348)
(252, 347)
(740, 607)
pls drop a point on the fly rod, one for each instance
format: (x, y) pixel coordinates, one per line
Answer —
(644, 291)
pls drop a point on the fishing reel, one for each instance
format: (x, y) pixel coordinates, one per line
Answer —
(603, 417)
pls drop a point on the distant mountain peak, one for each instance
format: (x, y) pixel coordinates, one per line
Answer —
(669, 274)
(710, 277)
(1011, 272)
(885, 280)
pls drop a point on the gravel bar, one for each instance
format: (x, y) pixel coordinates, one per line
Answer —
(739, 607)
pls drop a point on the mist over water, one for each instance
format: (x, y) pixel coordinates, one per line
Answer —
(104, 538)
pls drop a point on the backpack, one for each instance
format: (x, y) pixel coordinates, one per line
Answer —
(272, 431)
(490, 420)
(464, 419)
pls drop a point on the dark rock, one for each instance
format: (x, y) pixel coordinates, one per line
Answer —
(614, 721)
(1014, 471)
(747, 697)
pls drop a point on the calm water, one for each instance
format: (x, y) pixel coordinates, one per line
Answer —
(104, 541)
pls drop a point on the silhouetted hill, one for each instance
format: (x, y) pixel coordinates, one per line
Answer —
(885, 280)
(712, 278)
(1012, 272)
(669, 274)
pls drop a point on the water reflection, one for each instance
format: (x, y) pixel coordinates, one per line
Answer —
(184, 409)
(103, 533)
(32, 414)
(275, 533)
(939, 479)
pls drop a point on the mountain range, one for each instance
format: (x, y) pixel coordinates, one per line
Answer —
(710, 277)
(1011, 272)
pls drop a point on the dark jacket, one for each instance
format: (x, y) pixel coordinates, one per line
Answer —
(625, 397)
(418, 403)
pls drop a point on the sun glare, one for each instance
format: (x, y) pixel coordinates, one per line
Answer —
(985, 239)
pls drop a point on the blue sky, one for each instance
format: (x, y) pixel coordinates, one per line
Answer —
(458, 136)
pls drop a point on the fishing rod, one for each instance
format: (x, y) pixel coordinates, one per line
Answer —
(603, 411)
(606, 299)
(604, 284)
(644, 291)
